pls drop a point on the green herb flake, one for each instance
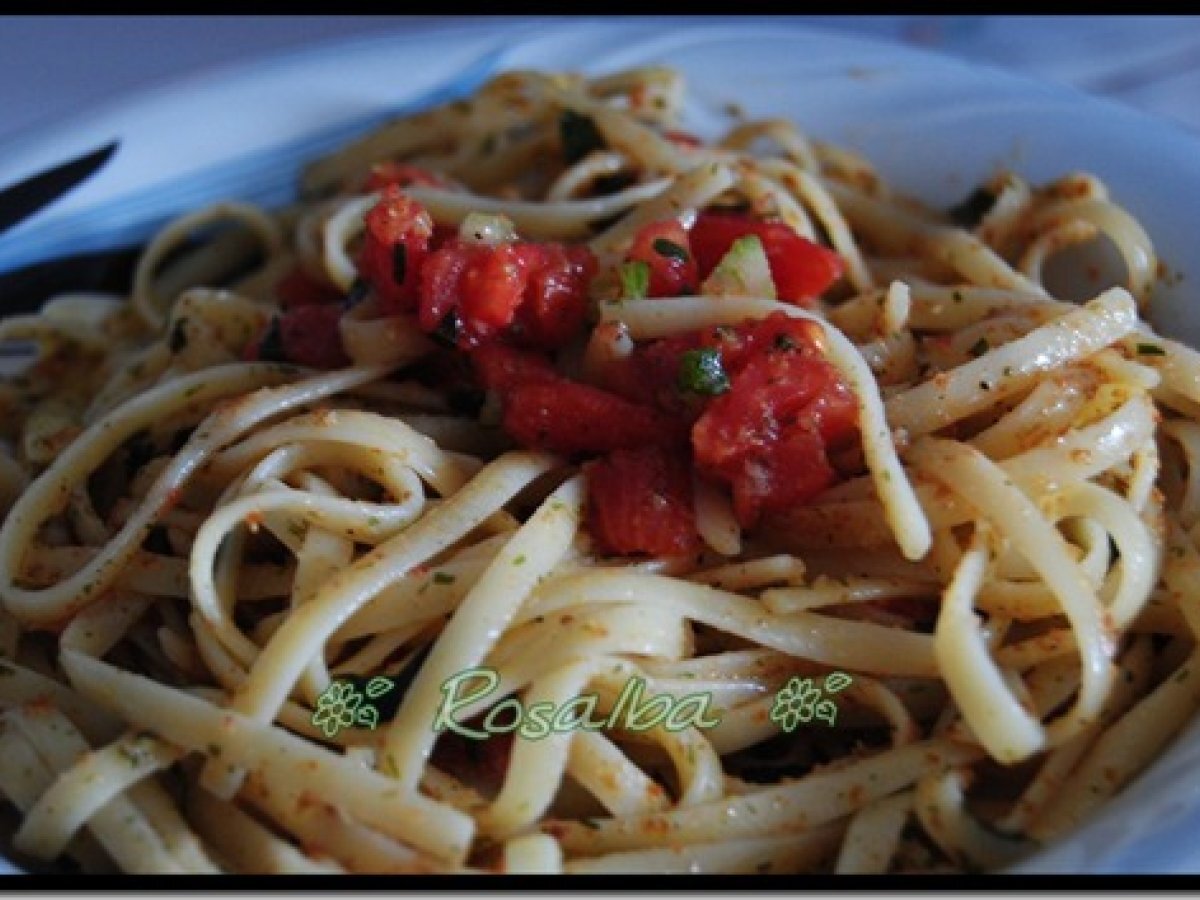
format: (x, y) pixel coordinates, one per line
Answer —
(443, 578)
(520, 560)
(784, 342)
(635, 279)
(670, 249)
(1150, 350)
(701, 372)
(979, 348)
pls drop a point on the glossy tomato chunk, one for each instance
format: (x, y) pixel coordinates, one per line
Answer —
(534, 294)
(298, 288)
(801, 269)
(769, 436)
(664, 248)
(395, 245)
(640, 501)
(305, 335)
(572, 418)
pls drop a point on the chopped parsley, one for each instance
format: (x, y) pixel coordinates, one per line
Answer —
(1150, 350)
(443, 578)
(635, 279)
(979, 348)
(670, 249)
(701, 372)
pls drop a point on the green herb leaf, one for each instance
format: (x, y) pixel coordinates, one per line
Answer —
(979, 348)
(701, 372)
(635, 279)
(670, 249)
(1150, 350)
(443, 578)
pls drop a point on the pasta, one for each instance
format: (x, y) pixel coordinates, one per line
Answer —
(884, 518)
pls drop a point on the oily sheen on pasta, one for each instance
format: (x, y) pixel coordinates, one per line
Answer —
(537, 383)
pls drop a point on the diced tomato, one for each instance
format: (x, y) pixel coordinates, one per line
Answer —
(769, 435)
(664, 247)
(305, 335)
(571, 418)
(801, 269)
(311, 337)
(501, 368)
(491, 288)
(778, 332)
(396, 244)
(298, 288)
(400, 174)
(640, 501)
(536, 294)
(650, 373)
(555, 306)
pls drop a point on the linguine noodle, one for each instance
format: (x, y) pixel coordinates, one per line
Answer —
(196, 545)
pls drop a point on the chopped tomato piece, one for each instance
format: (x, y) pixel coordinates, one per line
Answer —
(534, 293)
(568, 417)
(396, 244)
(298, 288)
(491, 287)
(555, 305)
(769, 435)
(776, 333)
(664, 248)
(501, 368)
(801, 269)
(650, 374)
(305, 335)
(640, 501)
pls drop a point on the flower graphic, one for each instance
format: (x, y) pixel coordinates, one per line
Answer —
(337, 708)
(802, 701)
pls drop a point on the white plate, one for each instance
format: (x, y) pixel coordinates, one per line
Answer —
(933, 126)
